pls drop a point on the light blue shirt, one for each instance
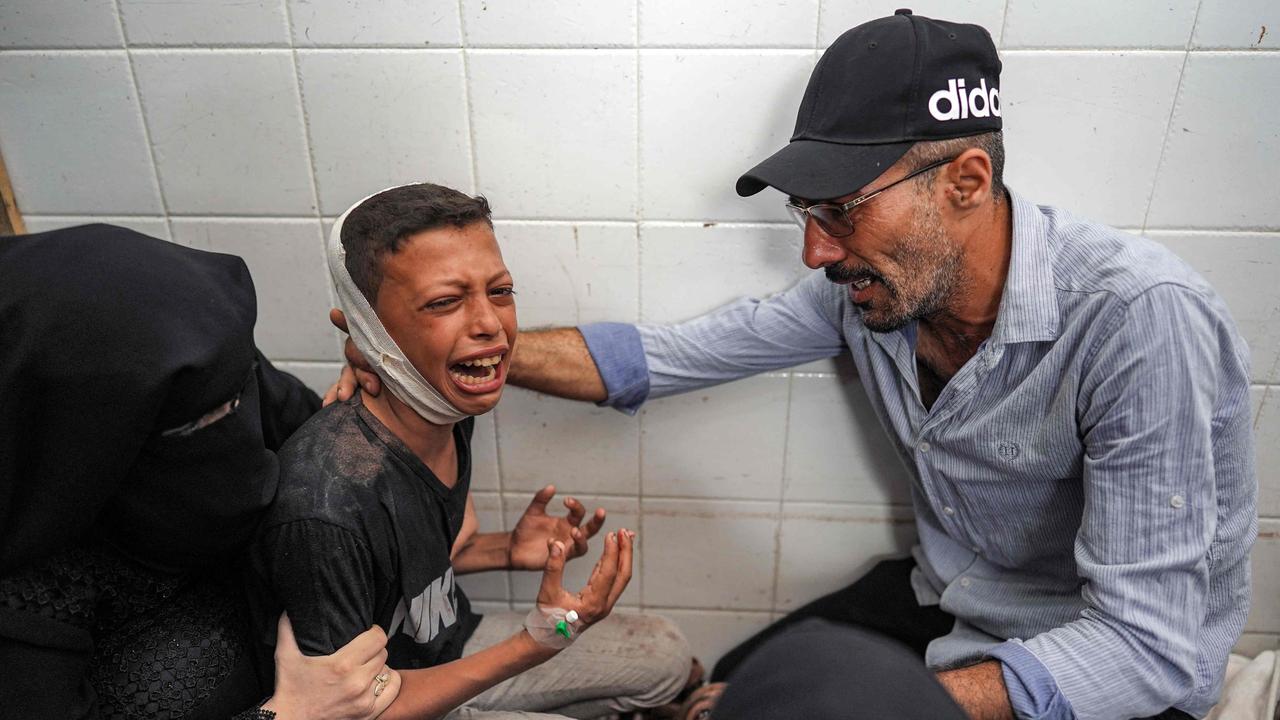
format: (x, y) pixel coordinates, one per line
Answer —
(1084, 486)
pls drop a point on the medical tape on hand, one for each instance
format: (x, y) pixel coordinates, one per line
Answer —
(553, 627)
(371, 338)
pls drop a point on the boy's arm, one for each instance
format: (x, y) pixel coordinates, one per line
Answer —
(525, 547)
(322, 575)
(433, 692)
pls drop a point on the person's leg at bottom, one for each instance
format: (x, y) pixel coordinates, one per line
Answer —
(627, 662)
(820, 670)
(881, 600)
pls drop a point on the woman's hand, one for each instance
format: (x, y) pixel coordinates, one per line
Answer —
(609, 578)
(341, 686)
(536, 530)
(357, 371)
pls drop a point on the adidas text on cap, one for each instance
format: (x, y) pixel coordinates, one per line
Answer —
(880, 88)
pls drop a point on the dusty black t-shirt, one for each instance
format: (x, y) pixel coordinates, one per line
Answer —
(360, 533)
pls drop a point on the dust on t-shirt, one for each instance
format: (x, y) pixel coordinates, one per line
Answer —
(359, 534)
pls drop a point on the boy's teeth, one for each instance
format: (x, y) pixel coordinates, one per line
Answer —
(483, 362)
(468, 380)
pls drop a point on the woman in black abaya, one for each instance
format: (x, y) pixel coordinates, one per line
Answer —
(138, 425)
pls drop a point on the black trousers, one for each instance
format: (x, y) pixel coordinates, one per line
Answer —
(881, 601)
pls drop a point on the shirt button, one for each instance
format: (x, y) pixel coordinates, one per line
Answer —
(1177, 501)
(949, 510)
(965, 582)
(923, 446)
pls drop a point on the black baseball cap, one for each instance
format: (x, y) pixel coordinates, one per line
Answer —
(880, 88)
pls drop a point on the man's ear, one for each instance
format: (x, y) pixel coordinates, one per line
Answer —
(968, 178)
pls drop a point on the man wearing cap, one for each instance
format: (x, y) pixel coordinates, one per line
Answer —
(1071, 401)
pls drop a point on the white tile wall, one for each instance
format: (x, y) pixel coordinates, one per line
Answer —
(1218, 146)
(62, 159)
(708, 554)
(531, 432)
(59, 24)
(1264, 615)
(484, 455)
(721, 442)
(318, 376)
(1266, 425)
(210, 23)
(606, 134)
(153, 226)
(286, 260)
(1252, 644)
(227, 131)
(708, 117)
(687, 270)
(1099, 23)
(840, 15)
(571, 272)
(494, 584)
(1245, 24)
(387, 23)
(826, 547)
(359, 146)
(1242, 268)
(533, 162)
(836, 449)
(1084, 130)
(531, 23)
(734, 23)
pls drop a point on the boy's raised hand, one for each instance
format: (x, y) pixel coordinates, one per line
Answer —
(609, 578)
(532, 535)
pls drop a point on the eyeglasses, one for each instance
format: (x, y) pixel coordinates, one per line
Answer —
(834, 218)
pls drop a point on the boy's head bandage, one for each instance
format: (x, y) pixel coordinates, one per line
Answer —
(371, 338)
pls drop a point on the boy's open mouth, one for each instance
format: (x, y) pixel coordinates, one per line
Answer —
(476, 371)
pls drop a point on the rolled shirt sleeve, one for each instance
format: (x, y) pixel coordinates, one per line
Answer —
(743, 338)
(1153, 390)
(1033, 693)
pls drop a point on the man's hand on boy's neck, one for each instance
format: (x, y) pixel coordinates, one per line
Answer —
(433, 444)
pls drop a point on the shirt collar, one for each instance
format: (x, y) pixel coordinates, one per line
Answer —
(1029, 306)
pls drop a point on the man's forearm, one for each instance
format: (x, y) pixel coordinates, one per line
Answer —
(484, 551)
(556, 362)
(433, 692)
(979, 690)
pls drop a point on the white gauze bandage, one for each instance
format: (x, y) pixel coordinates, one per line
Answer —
(399, 376)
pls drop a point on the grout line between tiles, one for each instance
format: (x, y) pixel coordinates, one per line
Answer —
(782, 494)
(146, 128)
(468, 105)
(733, 225)
(817, 29)
(1173, 110)
(1004, 23)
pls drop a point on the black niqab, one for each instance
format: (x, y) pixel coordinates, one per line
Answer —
(107, 339)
